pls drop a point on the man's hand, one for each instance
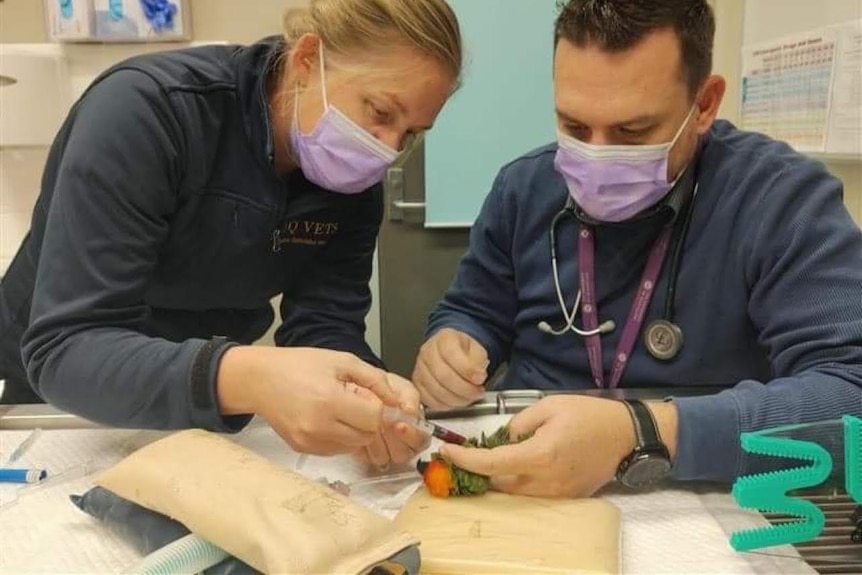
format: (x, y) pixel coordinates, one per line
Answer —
(451, 370)
(397, 442)
(578, 443)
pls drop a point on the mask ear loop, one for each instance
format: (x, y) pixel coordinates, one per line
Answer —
(323, 78)
(684, 124)
(296, 89)
(676, 137)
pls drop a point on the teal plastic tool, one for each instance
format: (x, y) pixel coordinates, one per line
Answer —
(853, 457)
(768, 492)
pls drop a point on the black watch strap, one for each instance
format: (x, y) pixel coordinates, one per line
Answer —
(646, 429)
(202, 394)
(649, 461)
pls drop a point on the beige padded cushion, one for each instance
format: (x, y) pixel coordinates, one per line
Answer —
(273, 519)
(508, 534)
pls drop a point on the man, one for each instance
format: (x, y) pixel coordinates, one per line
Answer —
(763, 297)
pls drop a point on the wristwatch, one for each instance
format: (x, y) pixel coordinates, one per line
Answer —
(649, 462)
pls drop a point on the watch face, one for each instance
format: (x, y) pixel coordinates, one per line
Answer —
(645, 470)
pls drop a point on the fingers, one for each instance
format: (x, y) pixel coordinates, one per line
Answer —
(399, 449)
(464, 356)
(513, 459)
(395, 445)
(450, 370)
(338, 439)
(352, 369)
(322, 448)
(377, 452)
(414, 439)
(478, 358)
(345, 435)
(399, 443)
(530, 419)
(439, 391)
(409, 398)
(441, 369)
(357, 408)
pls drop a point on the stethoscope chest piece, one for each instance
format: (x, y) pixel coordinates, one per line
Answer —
(663, 339)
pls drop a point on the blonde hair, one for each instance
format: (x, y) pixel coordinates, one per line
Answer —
(348, 25)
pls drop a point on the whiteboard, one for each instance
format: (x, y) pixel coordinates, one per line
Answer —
(504, 109)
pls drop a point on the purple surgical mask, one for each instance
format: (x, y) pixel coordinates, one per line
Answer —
(615, 183)
(339, 155)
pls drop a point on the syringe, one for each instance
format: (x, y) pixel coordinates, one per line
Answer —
(393, 414)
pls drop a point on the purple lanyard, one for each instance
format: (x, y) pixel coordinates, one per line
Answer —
(587, 265)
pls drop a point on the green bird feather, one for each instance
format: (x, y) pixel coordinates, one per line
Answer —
(469, 483)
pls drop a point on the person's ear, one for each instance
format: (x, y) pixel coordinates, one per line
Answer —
(709, 101)
(304, 60)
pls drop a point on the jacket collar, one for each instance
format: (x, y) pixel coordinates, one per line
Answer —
(255, 65)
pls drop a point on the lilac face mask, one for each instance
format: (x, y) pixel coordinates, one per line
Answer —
(615, 183)
(339, 155)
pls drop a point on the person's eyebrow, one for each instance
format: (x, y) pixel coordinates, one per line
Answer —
(567, 118)
(644, 119)
(400, 105)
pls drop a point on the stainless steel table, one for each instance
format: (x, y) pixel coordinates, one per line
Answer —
(502, 402)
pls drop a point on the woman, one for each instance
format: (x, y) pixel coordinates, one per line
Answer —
(188, 188)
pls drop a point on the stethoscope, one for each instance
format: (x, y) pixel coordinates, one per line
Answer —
(662, 337)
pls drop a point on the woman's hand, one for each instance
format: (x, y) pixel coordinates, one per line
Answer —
(397, 442)
(307, 395)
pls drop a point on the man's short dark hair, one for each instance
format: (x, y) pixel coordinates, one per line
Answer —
(617, 25)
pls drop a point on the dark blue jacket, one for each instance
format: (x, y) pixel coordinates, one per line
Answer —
(162, 223)
(769, 294)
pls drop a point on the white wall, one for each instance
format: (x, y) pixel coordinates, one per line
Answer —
(726, 54)
(20, 171)
(768, 19)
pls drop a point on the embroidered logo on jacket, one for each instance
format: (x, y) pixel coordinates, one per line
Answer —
(303, 232)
